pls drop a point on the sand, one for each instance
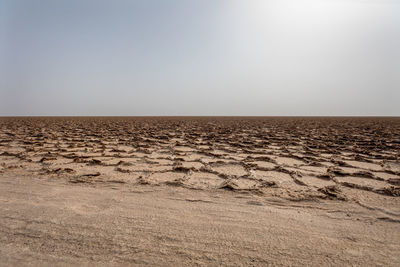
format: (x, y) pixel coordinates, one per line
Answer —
(249, 191)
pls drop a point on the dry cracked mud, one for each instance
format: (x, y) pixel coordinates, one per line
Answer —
(310, 160)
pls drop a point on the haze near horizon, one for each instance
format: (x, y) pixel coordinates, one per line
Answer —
(250, 58)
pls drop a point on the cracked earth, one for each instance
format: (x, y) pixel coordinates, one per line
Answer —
(318, 161)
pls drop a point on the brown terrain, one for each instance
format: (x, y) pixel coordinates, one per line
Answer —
(170, 191)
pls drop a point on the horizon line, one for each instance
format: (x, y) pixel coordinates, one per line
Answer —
(240, 116)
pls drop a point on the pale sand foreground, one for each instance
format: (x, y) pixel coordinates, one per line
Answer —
(47, 221)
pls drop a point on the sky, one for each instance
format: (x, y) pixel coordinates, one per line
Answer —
(200, 57)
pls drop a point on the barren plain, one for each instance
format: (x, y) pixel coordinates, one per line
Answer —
(249, 191)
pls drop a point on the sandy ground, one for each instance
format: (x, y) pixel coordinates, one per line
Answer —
(47, 222)
(200, 191)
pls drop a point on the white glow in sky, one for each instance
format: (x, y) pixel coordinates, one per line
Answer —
(212, 57)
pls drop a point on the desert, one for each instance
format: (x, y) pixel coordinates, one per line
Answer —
(200, 133)
(207, 191)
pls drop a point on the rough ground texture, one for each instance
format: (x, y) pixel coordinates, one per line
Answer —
(205, 191)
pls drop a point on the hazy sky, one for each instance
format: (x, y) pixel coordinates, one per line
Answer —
(200, 57)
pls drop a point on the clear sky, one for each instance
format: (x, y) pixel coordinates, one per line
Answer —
(200, 57)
